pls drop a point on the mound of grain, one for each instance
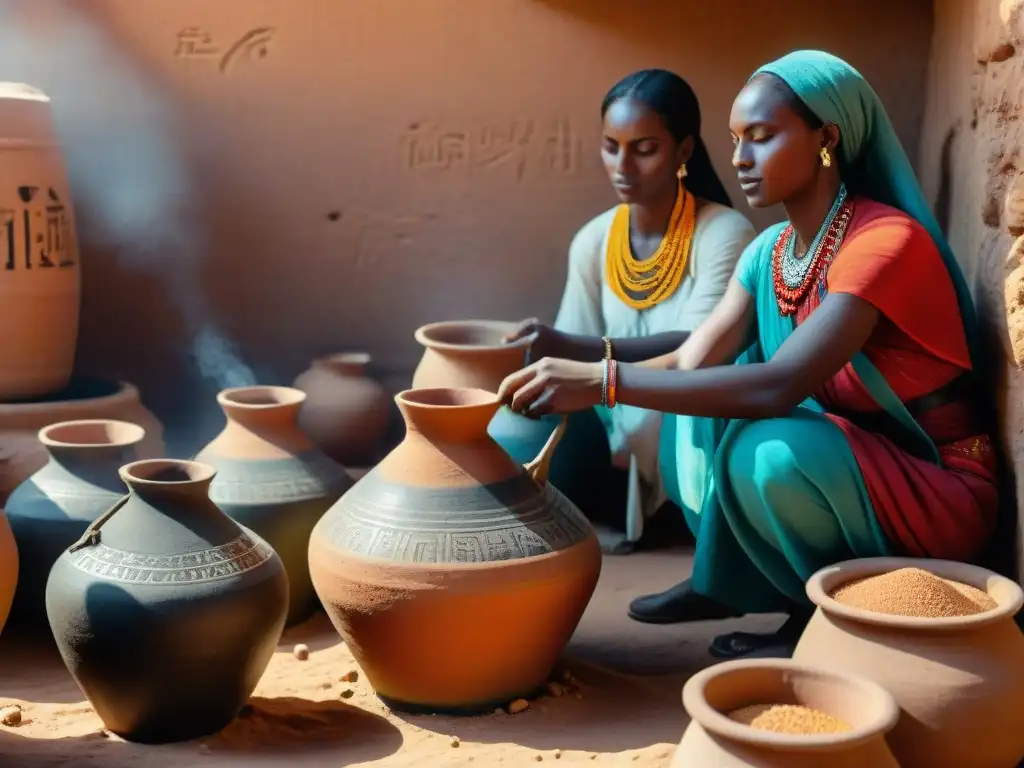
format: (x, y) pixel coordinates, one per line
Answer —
(788, 718)
(913, 592)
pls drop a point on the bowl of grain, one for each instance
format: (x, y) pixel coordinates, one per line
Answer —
(940, 637)
(776, 712)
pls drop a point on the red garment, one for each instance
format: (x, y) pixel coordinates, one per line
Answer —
(890, 260)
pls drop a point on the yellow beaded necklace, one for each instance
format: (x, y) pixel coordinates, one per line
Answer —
(643, 284)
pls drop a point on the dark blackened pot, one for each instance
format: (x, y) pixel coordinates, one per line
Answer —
(273, 480)
(51, 510)
(166, 611)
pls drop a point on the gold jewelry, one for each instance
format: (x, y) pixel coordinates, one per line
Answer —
(642, 284)
(681, 173)
(826, 157)
(607, 347)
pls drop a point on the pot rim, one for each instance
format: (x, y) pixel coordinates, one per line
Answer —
(425, 397)
(196, 471)
(1007, 593)
(132, 434)
(422, 335)
(279, 395)
(886, 710)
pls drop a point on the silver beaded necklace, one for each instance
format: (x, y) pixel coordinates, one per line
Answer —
(795, 268)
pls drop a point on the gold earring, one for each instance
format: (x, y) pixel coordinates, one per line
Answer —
(681, 173)
(826, 158)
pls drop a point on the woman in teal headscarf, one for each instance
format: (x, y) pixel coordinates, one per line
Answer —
(849, 425)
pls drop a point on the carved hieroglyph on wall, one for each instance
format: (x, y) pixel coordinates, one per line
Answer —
(528, 146)
(38, 235)
(197, 43)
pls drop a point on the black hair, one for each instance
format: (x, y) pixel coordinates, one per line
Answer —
(672, 98)
(794, 102)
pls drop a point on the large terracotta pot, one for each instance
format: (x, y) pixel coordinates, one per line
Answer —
(21, 453)
(951, 676)
(40, 289)
(467, 353)
(8, 569)
(713, 740)
(51, 510)
(273, 480)
(346, 412)
(455, 575)
(166, 611)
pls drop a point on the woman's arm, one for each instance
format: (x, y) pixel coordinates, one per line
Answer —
(816, 351)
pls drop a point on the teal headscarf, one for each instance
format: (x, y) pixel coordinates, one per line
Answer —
(873, 160)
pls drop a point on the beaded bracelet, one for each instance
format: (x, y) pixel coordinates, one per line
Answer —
(606, 340)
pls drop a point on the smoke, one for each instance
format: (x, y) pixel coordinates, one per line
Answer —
(124, 153)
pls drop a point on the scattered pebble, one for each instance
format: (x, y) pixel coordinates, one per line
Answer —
(327, 685)
(350, 677)
(556, 689)
(500, 711)
(517, 706)
(558, 754)
(204, 749)
(455, 742)
(11, 715)
(348, 693)
(538, 758)
(301, 652)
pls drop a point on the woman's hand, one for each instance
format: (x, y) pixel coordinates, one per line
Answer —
(553, 386)
(545, 342)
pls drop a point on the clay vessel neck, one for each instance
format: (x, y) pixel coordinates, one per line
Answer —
(262, 417)
(450, 415)
(93, 449)
(347, 364)
(162, 482)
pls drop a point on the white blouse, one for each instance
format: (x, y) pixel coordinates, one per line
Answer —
(590, 307)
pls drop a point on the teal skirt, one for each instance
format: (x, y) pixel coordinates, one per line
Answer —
(770, 502)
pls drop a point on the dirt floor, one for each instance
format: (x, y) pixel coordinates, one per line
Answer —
(626, 708)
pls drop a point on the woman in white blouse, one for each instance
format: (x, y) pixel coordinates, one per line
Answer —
(644, 274)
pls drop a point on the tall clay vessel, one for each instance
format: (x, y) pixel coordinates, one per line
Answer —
(714, 740)
(51, 510)
(467, 353)
(166, 611)
(950, 676)
(455, 575)
(345, 412)
(273, 480)
(40, 290)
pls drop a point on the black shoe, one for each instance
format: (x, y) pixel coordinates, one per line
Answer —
(781, 642)
(677, 605)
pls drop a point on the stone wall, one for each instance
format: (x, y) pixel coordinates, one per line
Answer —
(971, 164)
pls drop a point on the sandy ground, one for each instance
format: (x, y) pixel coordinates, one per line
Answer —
(626, 710)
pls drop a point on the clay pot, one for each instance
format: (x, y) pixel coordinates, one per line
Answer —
(455, 575)
(166, 611)
(467, 353)
(950, 676)
(51, 510)
(713, 740)
(273, 480)
(40, 290)
(8, 569)
(346, 412)
(21, 453)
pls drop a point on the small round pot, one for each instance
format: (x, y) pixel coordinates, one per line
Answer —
(345, 412)
(467, 353)
(713, 740)
(950, 676)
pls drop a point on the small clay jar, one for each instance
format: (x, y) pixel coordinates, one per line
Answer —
(51, 510)
(345, 412)
(714, 740)
(467, 353)
(167, 612)
(959, 681)
(273, 480)
(8, 569)
(455, 575)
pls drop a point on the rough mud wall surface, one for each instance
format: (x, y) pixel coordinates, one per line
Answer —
(972, 164)
(305, 177)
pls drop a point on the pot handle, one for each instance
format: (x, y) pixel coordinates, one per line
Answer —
(538, 468)
(91, 537)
